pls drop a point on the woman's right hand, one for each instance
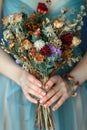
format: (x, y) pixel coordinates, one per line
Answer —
(29, 84)
(31, 87)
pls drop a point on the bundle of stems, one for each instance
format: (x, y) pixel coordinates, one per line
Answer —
(43, 116)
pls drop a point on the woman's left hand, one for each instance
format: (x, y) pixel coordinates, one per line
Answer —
(58, 91)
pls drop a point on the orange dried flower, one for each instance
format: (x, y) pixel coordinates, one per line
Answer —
(39, 58)
(33, 15)
(33, 50)
(11, 45)
(67, 53)
(5, 20)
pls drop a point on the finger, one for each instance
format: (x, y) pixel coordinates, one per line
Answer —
(53, 99)
(60, 102)
(31, 99)
(33, 92)
(37, 89)
(51, 82)
(35, 81)
(50, 94)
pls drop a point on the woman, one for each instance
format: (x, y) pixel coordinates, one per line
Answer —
(17, 113)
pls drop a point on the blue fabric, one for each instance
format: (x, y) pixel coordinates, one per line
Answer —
(84, 35)
(16, 112)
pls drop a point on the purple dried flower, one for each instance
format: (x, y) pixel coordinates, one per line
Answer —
(54, 50)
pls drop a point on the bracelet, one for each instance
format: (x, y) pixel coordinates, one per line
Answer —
(72, 83)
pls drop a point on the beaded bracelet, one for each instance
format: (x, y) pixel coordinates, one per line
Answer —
(72, 83)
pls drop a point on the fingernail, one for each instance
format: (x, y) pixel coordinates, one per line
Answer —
(41, 96)
(54, 108)
(43, 93)
(41, 101)
(39, 84)
(46, 86)
(45, 106)
(35, 102)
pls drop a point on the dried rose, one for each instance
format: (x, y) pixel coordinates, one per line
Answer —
(76, 41)
(42, 8)
(45, 50)
(67, 38)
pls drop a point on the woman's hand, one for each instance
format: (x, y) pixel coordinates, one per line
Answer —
(31, 87)
(58, 91)
(28, 83)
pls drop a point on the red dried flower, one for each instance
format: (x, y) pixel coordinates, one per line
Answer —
(42, 8)
(67, 38)
(45, 50)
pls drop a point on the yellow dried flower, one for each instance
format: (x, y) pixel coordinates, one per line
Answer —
(56, 42)
(26, 44)
(76, 41)
(17, 17)
(58, 24)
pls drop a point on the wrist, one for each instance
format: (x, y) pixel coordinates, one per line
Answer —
(19, 73)
(23, 75)
(72, 83)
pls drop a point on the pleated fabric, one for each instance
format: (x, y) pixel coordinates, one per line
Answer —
(16, 112)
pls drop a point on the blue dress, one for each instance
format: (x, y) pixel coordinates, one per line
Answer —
(16, 112)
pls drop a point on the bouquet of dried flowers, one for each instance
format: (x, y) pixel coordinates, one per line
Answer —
(42, 46)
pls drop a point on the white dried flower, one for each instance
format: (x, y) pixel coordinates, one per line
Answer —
(47, 20)
(72, 25)
(78, 16)
(84, 14)
(49, 29)
(64, 10)
(39, 44)
(2, 42)
(79, 28)
(8, 35)
(66, 28)
(82, 7)
(11, 19)
(81, 23)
